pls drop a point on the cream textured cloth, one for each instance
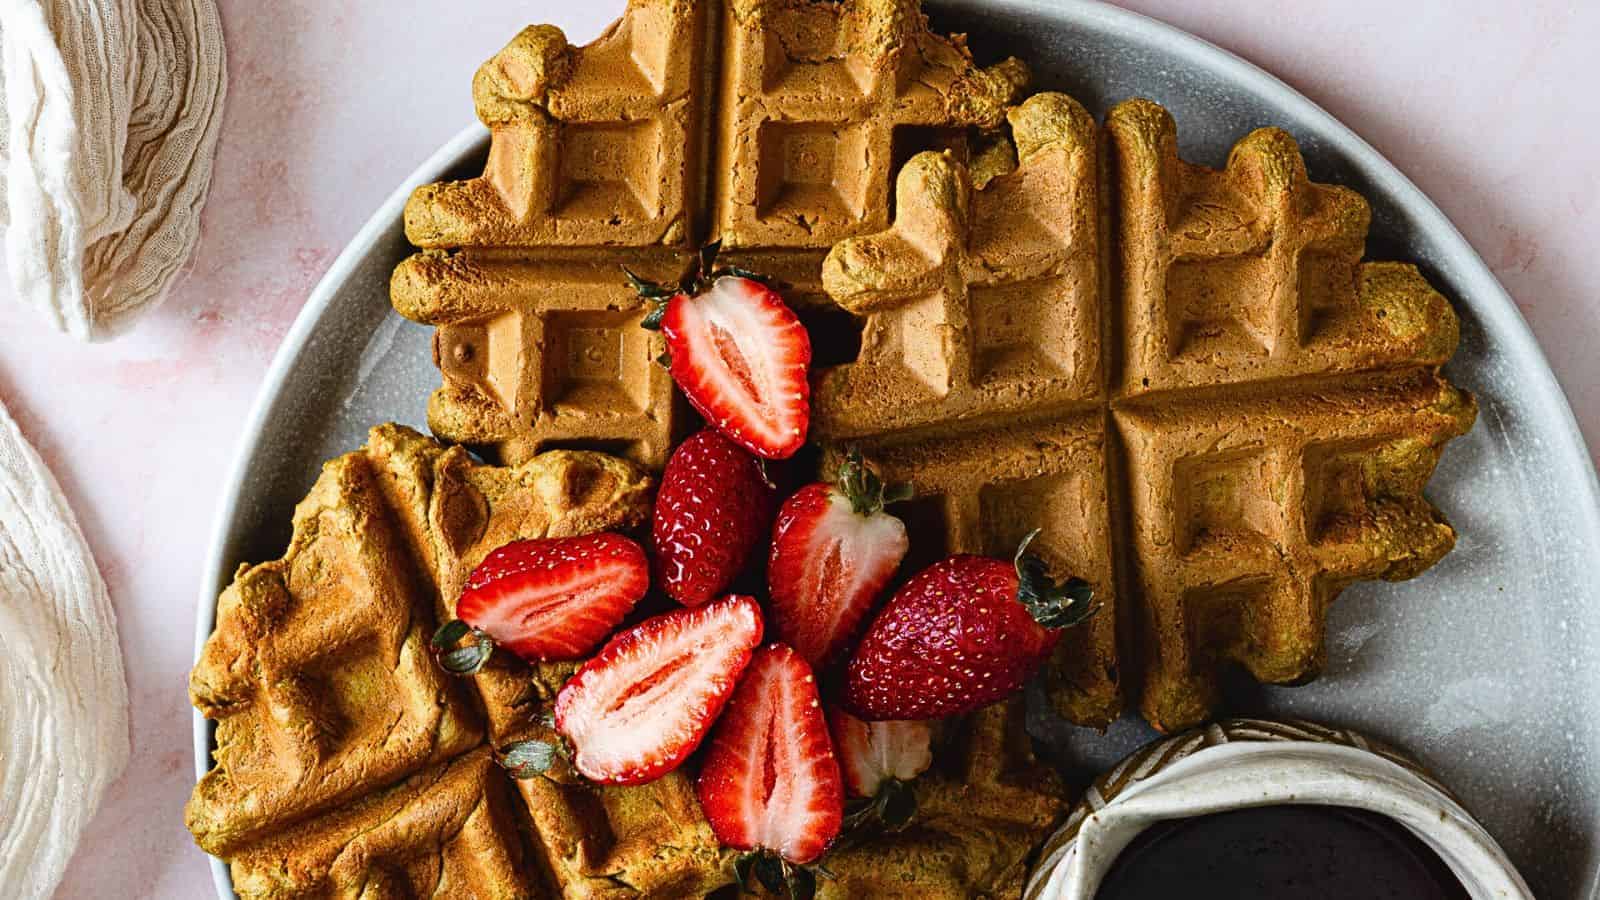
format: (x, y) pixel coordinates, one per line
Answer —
(63, 702)
(107, 130)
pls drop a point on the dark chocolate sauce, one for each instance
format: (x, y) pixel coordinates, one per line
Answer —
(1280, 852)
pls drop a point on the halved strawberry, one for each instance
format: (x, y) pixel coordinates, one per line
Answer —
(546, 599)
(738, 353)
(637, 709)
(834, 550)
(713, 506)
(769, 782)
(878, 761)
(872, 753)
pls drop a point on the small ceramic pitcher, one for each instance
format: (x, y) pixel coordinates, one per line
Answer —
(1245, 763)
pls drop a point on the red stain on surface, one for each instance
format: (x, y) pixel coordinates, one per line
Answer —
(1518, 251)
(311, 263)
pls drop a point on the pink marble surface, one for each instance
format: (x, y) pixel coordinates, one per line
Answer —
(1488, 106)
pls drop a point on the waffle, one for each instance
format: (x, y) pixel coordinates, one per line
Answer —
(772, 125)
(981, 381)
(348, 765)
(1218, 413)
(981, 811)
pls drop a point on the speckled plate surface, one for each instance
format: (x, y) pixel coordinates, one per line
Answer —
(1487, 667)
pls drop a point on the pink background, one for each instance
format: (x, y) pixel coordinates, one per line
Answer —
(1488, 106)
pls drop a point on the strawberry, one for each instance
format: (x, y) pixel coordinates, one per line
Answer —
(878, 761)
(834, 550)
(644, 703)
(547, 599)
(961, 634)
(738, 353)
(769, 783)
(713, 506)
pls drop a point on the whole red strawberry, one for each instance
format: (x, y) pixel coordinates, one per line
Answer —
(738, 353)
(834, 550)
(961, 634)
(545, 599)
(769, 782)
(713, 506)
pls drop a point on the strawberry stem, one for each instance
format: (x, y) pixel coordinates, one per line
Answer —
(459, 660)
(776, 874)
(891, 809)
(694, 281)
(1052, 604)
(864, 489)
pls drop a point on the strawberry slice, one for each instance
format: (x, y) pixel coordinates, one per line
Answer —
(714, 505)
(834, 550)
(738, 353)
(647, 699)
(547, 599)
(770, 782)
(878, 761)
(874, 753)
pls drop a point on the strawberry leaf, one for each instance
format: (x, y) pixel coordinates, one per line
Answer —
(738, 272)
(898, 492)
(799, 882)
(527, 759)
(861, 485)
(891, 809)
(769, 871)
(742, 868)
(896, 804)
(461, 660)
(649, 290)
(1052, 604)
(708, 259)
(652, 319)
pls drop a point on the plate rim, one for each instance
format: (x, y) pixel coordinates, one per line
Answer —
(1499, 312)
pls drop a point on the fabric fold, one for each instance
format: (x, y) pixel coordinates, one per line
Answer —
(108, 127)
(63, 699)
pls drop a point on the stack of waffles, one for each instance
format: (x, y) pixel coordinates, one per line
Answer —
(349, 765)
(1217, 413)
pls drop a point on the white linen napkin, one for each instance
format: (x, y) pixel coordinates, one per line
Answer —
(63, 701)
(108, 125)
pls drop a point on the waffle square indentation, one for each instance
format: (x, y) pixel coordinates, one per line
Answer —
(1225, 497)
(601, 164)
(1025, 332)
(1218, 307)
(812, 172)
(591, 363)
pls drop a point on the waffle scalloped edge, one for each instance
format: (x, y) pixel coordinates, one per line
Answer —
(774, 126)
(1221, 415)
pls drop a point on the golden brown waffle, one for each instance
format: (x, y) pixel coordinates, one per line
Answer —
(1238, 430)
(325, 694)
(447, 831)
(318, 673)
(774, 125)
(981, 374)
(980, 812)
(347, 765)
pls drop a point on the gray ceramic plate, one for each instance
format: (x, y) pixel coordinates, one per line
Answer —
(1488, 666)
